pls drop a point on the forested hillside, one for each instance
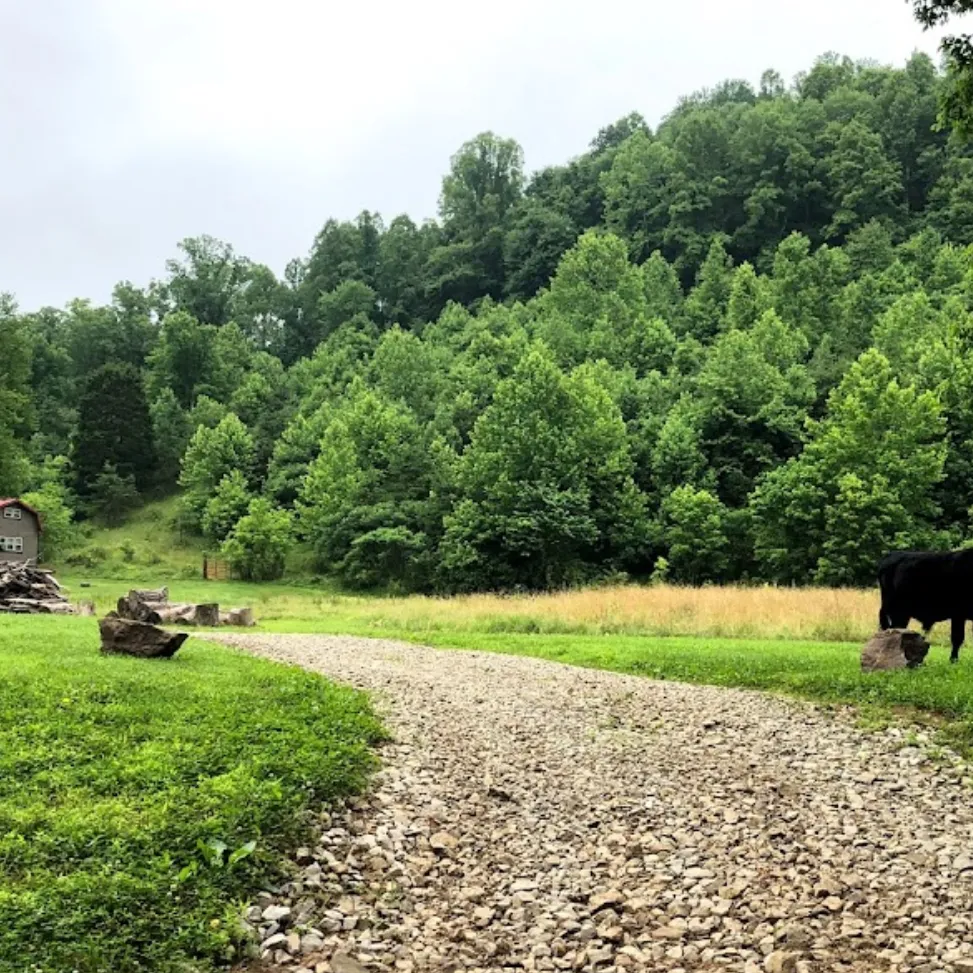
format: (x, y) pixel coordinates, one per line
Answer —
(738, 346)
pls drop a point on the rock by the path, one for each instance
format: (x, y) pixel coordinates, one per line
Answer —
(531, 816)
(122, 636)
(343, 963)
(895, 648)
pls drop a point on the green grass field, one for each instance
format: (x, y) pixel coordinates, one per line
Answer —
(122, 782)
(826, 670)
(142, 802)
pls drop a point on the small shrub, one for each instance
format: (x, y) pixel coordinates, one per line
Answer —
(660, 572)
(258, 545)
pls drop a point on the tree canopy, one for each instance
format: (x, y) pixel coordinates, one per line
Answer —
(736, 345)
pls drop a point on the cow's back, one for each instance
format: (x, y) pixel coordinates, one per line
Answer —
(928, 585)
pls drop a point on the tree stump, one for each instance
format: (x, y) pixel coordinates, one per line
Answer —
(895, 648)
(122, 636)
(207, 615)
(242, 617)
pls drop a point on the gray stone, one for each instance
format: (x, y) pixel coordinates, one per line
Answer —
(895, 648)
(121, 636)
(277, 913)
(343, 963)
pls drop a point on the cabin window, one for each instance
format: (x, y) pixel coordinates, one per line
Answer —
(12, 513)
(13, 544)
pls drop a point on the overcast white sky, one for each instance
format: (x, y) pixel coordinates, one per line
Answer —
(131, 124)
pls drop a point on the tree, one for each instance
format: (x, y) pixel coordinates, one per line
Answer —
(211, 455)
(749, 298)
(484, 183)
(15, 367)
(171, 430)
(121, 332)
(705, 308)
(228, 504)
(677, 457)
(863, 521)
(52, 499)
(183, 358)
(889, 438)
(957, 100)
(53, 389)
(752, 396)
(293, 453)
(548, 494)
(350, 300)
(231, 361)
(485, 180)
(409, 370)
(206, 284)
(259, 543)
(596, 307)
(638, 194)
(372, 500)
(261, 307)
(114, 429)
(864, 183)
(110, 496)
(537, 238)
(403, 253)
(695, 534)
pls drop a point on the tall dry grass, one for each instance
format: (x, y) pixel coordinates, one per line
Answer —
(742, 612)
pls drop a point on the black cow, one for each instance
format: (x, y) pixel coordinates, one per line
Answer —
(929, 586)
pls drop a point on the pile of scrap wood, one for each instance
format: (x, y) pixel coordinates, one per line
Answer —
(153, 606)
(27, 590)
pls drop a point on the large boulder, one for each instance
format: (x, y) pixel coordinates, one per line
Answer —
(895, 648)
(123, 636)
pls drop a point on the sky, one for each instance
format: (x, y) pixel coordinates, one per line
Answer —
(132, 124)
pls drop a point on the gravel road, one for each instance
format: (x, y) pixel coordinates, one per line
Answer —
(535, 816)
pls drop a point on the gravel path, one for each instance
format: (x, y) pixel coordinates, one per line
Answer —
(541, 817)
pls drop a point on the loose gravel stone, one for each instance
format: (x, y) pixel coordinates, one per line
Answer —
(531, 816)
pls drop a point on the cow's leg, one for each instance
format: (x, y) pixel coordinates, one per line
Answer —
(957, 634)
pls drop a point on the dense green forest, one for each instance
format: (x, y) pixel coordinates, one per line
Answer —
(737, 346)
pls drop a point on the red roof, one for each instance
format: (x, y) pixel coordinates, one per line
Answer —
(10, 501)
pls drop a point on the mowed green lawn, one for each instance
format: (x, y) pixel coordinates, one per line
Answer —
(142, 802)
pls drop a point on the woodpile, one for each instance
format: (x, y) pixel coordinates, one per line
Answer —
(152, 606)
(27, 590)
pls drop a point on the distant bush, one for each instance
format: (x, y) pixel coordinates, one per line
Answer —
(258, 545)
